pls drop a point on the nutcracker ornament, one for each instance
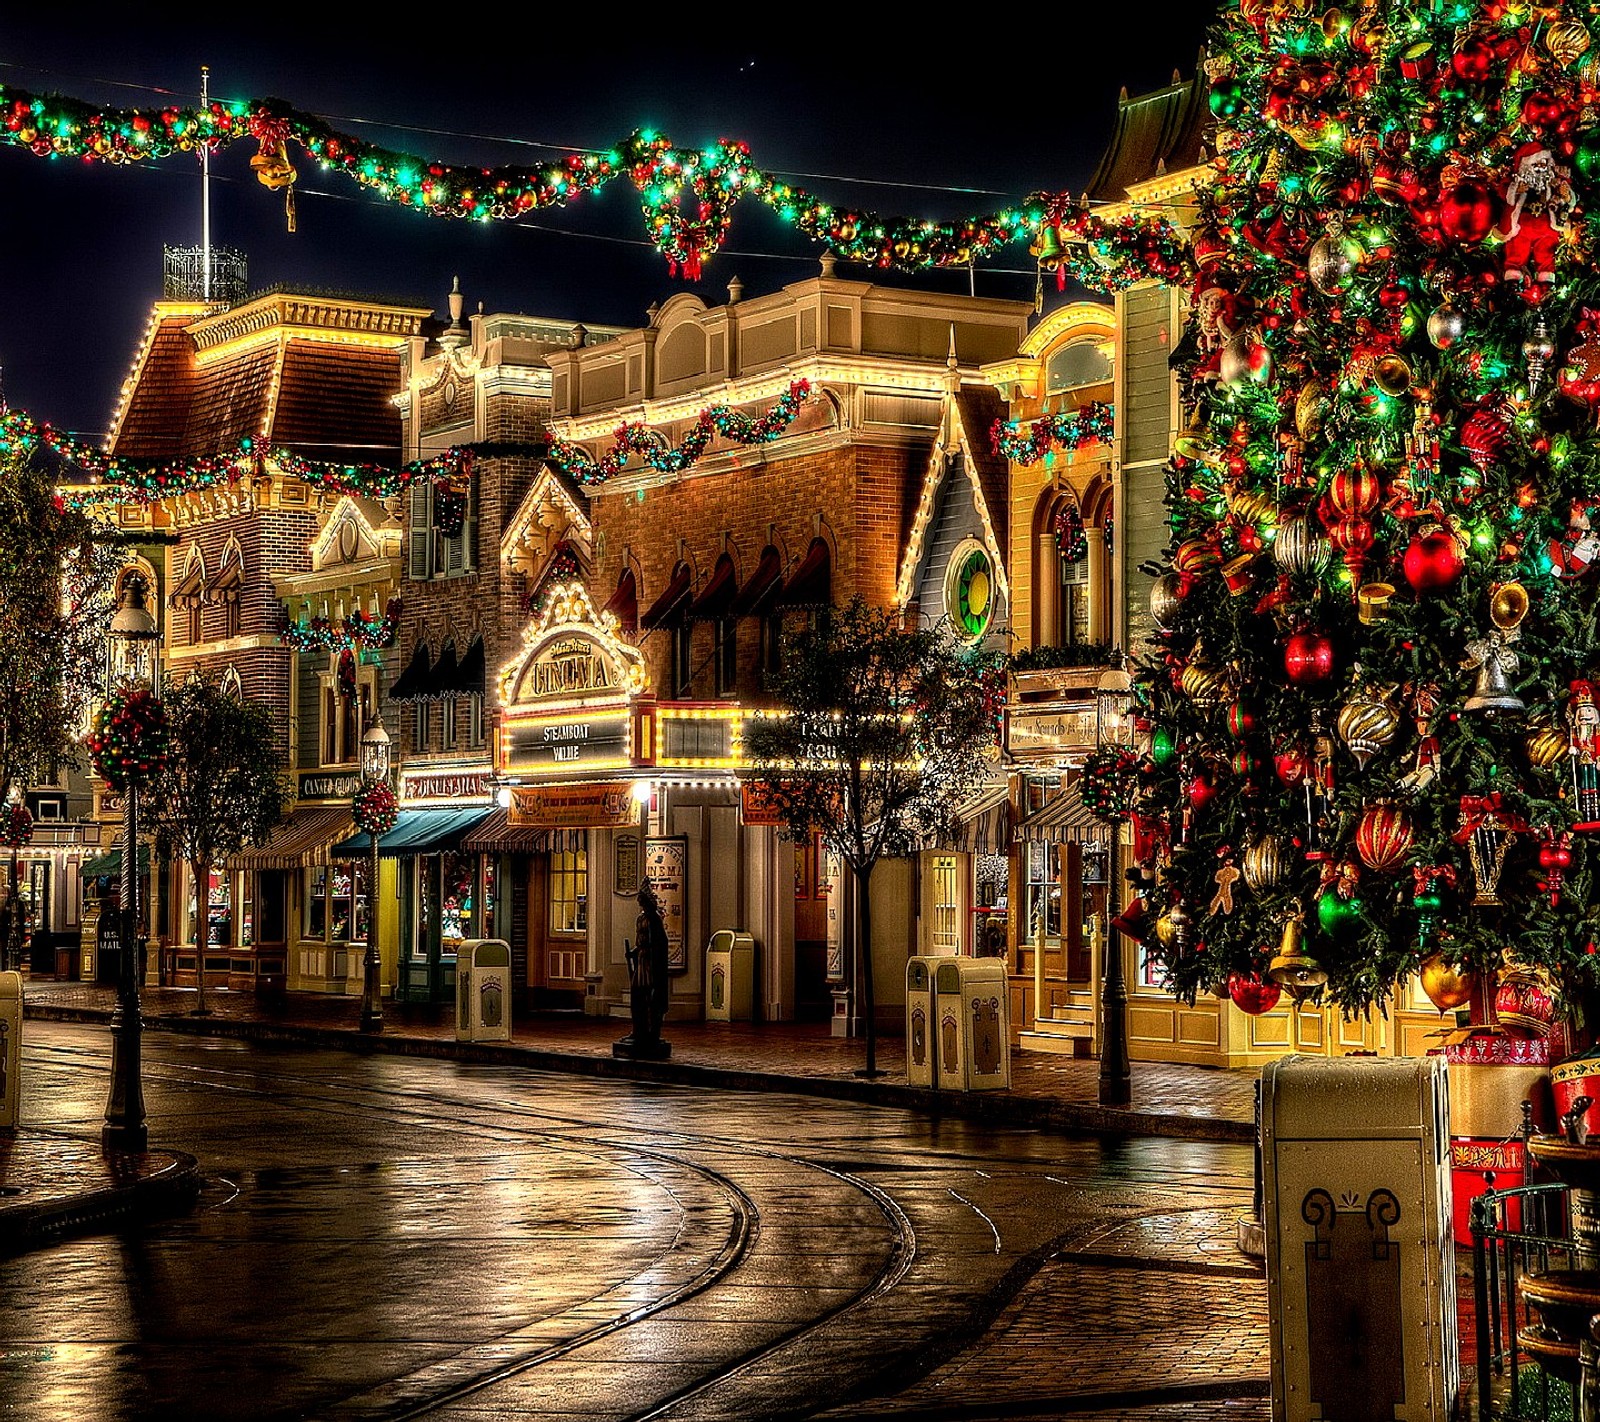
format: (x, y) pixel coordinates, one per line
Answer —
(1539, 201)
(1583, 746)
(1572, 553)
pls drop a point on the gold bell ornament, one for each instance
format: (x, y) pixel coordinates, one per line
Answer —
(274, 171)
(1292, 967)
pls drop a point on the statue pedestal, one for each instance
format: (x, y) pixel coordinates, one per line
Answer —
(642, 1051)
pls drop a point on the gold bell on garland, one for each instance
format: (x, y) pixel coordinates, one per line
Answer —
(1293, 967)
(273, 170)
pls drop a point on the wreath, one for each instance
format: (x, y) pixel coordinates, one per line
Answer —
(1072, 543)
(1109, 783)
(128, 744)
(16, 827)
(375, 807)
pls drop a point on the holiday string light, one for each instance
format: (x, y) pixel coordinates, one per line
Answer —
(687, 195)
(357, 632)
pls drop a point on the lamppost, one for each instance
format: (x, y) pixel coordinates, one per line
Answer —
(1113, 705)
(134, 632)
(374, 769)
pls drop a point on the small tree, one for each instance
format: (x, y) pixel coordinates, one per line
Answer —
(223, 786)
(878, 735)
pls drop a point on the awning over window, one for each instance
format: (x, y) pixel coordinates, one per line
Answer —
(623, 604)
(1064, 820)
(300, 840)
(469, 671)
(497, 835)
(760, 592)
(414, 680)
(811, 584)
(983, 824)
(230, 578)
(668, 609)
(717, 595)
(417, 832)
(442, 684)
(109, 864)
(191, 587)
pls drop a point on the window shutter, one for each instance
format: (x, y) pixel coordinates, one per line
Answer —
(419, 561)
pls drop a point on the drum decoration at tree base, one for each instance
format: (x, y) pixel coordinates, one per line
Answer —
(1523, 1002)
(375, 808)
(1575, 1077)
(129, 741)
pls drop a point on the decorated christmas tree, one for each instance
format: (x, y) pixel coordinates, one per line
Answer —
(1374, 743)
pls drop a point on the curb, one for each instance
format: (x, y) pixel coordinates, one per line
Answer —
(170, 1190)
(993, 1108)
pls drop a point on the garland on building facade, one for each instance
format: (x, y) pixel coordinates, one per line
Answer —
(1028, 441)
(1373, 691)
(640, 440)
(687, 196)
(358, 631)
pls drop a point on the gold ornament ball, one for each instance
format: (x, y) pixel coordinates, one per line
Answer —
(1546, 747)
(1445, 986)
(1264, 863)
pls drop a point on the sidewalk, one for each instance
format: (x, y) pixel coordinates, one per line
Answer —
(64, 1183)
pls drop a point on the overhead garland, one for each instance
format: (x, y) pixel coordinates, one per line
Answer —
(639, 439)
(687, 195)
(1029, 441)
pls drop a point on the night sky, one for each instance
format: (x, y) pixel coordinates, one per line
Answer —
(938, 119)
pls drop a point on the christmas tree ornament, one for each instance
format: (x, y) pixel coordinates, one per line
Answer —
(1446, 326)
(1467, 210)
(1523, 1001)
(1546, 746)
(1493, 658)
(1538, 350)
(1428, 899)
(1253, 995)
(1338, 915)
(1538, 203)
(1579, 376)
(1226, 877)
(1334, 259)
(1299, 549)
(1372, 602)
(1174, 929)
(1567, 41)
(1432, 559)
(1384, 836)
(1487, 829)
(1292, 763)
(1308, 658)
(1205, 686)
(1555, 858)
(1368, 721)
(1573, 553)
(1236, 573)
(1292, 967)
(1166, 600)
(1266, 863)
(1445, 986)
(1583, 749)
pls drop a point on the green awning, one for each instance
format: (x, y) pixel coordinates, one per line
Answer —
(109, 864)
(417, 832)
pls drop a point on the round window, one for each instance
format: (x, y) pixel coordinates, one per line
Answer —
(969, 590)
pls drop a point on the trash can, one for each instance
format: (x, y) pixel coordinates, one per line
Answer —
(1361, 1281)
(10, 1049)
(730, 977)
(972, 1015)
(920, 1062)
(483, 990)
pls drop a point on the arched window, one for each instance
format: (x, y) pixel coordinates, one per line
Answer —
(189, 595)
(228, 586)
(1073, 588)
(1074, 367)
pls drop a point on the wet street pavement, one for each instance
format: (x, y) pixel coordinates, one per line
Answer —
(387, 1237)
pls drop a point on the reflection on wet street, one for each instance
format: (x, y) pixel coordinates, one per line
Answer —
(389, 1237)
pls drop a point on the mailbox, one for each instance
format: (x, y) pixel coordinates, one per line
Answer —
(483, 990)
(1361, 1280)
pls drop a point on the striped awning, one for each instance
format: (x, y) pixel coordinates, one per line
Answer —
(303, 839)
(983, 824)
(497, 835)
(417, 832)
(1065, 820)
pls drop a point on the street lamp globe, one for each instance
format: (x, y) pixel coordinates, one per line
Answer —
(375, 751)
(134, 629)
(1113, 707)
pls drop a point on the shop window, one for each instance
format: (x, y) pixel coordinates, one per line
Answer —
(569, 891)
(336, 902)
(1073, 628)
(460, 904)
(218, 926)
(944, 934)
(682, 660)
(1043, 889)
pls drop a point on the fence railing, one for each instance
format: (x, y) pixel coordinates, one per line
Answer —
(1515, 1233)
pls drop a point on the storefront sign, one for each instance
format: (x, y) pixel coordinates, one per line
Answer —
(570, 666)
(108, 804)
(572, 806)
(757, 806)
(327, 785)
(579, 742)
(1045, 731)
(416, 786)
(625, 867)
(666, 866)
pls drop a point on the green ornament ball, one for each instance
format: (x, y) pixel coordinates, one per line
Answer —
(1338, 917)
(1162, 746)
(1226, 98)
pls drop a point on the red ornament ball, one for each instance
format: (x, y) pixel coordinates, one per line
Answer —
(1253, 995)
(1308, 658)
(1467, 211)
(1433, 561)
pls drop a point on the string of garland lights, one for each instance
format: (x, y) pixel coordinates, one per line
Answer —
(687, 195)
(1028, 441)
(638, 439)
(356, 632)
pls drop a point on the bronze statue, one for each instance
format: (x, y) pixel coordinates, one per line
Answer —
(649, 984)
